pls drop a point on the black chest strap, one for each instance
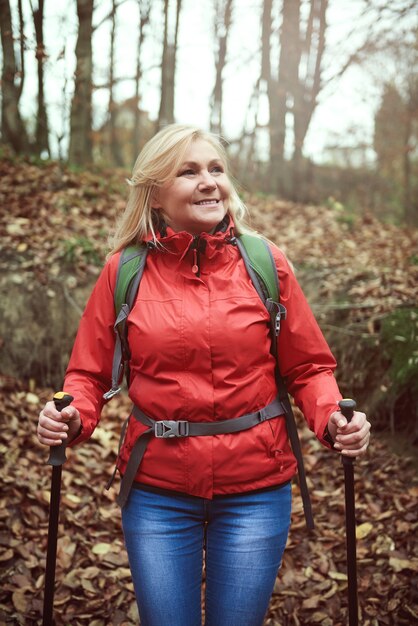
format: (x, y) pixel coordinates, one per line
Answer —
(182, 428)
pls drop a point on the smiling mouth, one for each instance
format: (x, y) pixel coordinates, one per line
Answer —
(213, 202)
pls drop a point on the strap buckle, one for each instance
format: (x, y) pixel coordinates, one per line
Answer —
(281, 313)
(112, 392)
(171, 428)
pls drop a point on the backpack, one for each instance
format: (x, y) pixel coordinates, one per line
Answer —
(261, 268)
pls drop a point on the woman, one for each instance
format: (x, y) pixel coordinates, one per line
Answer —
(200, 351)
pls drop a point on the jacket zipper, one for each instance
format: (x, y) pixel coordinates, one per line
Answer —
(196, 255)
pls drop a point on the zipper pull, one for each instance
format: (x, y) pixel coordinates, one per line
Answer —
(195, 267)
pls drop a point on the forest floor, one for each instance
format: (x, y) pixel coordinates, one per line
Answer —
(56, 222)
(93, 580)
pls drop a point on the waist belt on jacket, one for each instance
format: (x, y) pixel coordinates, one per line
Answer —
(182, 428)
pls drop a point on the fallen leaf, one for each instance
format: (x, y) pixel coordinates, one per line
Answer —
(7, 555)
(311, 603)
(403, 564)
(363, 530)
(319, 616)
(102, 548)
(337, 575)
(19, 601)
(32, 398)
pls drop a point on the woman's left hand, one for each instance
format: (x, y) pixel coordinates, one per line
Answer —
(350, 438)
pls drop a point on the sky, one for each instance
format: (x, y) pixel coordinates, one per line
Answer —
(344, 113)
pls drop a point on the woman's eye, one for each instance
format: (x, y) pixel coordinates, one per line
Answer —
(217, 169)
(188, 172)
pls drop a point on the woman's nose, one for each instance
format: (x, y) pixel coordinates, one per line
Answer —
(207, 181)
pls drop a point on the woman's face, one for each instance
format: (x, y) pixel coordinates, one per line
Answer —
(198, 197)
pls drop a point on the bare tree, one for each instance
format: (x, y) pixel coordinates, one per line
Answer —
(282, 92)
(307, 86)
(293, 95)
(223, 18)
(80, 150)
(410, 169)
(12, 127)
(114, 145)
(389, 54)
(144, 17)
(395, 137)
(41, 133)
(22, 42)
(168, 66)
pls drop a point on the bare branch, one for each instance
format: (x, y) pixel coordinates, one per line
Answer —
(109, 15)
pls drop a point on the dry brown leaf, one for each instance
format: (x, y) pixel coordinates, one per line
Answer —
(363, 530)
(403, 564)
(312, 602)
(102, 548)
(7, 555)
(337, 575)
(19, 601)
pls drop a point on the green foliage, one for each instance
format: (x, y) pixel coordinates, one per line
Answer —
(7, 154)
(79, 247)
(36, 159)
(334, 204)
(345, 213)
(390, 198)
(76, 169)
(380, 369)
(399, 340)
(263, 195)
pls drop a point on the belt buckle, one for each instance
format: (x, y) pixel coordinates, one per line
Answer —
(165, 429)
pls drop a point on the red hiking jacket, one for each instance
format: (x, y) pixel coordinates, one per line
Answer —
(200, 352)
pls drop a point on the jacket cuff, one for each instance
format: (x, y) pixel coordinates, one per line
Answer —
(327, 437)
(78, 437)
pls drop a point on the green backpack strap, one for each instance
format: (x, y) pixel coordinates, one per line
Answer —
(262, 270)
(131, 259)
(261, 267)
(130, 269)
(262, 262)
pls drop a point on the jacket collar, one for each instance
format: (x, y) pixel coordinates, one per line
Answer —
(181, 241)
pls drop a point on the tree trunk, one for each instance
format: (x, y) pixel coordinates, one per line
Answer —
(168, 68)
(223, 18)
(113, 140)
(22, 72)
(283, 90)
(410, 199)
(270, 87)
(166, 112)
(12, 127)
(144, 17)
(307, 88)
(80, 151)
(41, 137)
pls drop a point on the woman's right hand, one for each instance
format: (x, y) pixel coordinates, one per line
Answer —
(54, 427)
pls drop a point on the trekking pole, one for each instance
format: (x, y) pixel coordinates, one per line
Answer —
(347, 408)
(56, 458)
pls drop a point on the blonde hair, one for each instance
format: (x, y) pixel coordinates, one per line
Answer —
(157, 163)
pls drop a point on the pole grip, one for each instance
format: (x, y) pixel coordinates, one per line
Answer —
(347, 408)
(57, 453)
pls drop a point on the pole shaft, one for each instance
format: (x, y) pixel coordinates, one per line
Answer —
(51, 554)
(351, 542)
(347, 407)
(56, 458)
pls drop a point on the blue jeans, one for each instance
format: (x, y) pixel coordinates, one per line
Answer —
(243, 537)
